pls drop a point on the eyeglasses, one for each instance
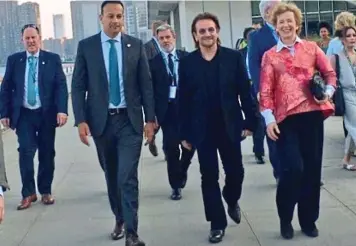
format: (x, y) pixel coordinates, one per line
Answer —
(30, 26)
(210, 30)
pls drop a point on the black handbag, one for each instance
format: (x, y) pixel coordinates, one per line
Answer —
(338, 97)
(317, 86)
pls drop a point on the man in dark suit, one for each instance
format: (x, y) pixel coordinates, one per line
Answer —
(152, 49)
(164, 71)
(34, 101)
(260, 41)
(3, 180)
(259, 134)
(112, 69)
(212, 79)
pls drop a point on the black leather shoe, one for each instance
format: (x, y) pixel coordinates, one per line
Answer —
(235, 213)
(118, 232)
(133, 240)
(311, 233)
(321, 183)
(259, 159)
(176, 194)
(287, 231)
(153, 148)
(216, 236)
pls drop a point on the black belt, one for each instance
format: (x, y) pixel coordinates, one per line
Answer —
(37, 110)
(114, 111)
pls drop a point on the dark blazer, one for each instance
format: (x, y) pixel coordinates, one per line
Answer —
(234, 85)
(152, 49)
(161, 84)
(243, 52)
(53, 89)
(260, 41)
(89, 77)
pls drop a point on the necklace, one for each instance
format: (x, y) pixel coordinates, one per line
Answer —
(352, 64)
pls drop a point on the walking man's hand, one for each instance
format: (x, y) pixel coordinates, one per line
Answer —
(2, 208)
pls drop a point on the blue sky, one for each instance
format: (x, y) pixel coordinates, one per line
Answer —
(50, 7)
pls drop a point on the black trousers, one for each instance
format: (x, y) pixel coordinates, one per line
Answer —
(34, 131)
(300, 148)
(178, 158)
(217, 139)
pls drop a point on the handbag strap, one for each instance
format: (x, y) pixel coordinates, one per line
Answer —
(337, 68)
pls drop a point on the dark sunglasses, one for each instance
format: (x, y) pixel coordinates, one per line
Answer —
(30, 26)
(202, 31)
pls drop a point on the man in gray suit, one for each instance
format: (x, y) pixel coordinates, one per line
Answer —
(112, 69)
(152, 49)
(3, 180)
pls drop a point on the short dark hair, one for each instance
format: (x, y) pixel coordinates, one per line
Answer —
(110, 2)
(247, 31)
(30, 26)
(204, 16)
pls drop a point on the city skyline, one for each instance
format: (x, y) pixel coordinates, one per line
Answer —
(48, 8)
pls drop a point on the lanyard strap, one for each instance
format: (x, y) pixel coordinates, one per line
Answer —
(171, 75)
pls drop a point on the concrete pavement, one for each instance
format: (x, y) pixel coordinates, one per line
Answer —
(82, 217)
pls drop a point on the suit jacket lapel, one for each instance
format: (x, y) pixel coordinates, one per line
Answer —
(99, 54)
(22, 70)
(41, 66)
(126, 52)
(162, 67)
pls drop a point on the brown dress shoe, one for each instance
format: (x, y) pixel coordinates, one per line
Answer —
(47, 199)
(118, 232)
(26, 202)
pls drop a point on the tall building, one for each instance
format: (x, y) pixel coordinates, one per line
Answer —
(85, 18)
(59, 26)
(9, 29)
(136, 19)
(29, 13)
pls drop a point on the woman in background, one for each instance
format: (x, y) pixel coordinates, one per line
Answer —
(324, 33)
(347, 68)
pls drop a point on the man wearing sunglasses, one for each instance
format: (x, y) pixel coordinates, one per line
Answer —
(212, 82)
(34, 101)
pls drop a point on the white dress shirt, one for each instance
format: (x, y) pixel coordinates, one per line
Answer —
(106, 50)
(1, 191)
(175, 62)
(38, 101)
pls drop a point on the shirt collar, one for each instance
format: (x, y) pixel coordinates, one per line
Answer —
(37, 54)
(270, 26)
(105, 38)
(173, 52)
(281, 45)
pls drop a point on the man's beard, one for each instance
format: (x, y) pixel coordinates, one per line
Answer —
(208, 45)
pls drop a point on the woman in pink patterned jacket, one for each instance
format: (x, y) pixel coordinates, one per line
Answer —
(295, 119)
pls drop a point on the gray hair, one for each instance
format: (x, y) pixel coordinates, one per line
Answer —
(165, 27)
(265, 5)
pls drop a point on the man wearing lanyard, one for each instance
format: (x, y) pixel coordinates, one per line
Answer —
(164, 71)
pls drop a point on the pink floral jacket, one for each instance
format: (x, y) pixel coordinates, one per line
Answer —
(285, 80)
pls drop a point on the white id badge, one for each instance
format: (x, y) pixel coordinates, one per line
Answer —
(172, 92)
